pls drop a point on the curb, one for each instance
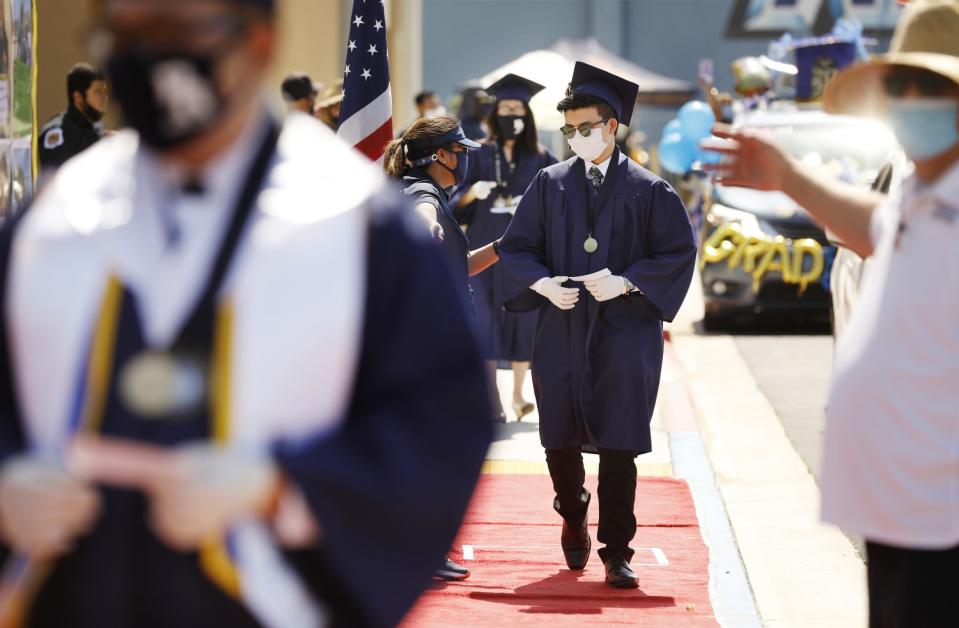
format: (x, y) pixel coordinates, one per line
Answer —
(731, 595)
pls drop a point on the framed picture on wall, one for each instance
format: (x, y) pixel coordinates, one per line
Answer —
(22, 60)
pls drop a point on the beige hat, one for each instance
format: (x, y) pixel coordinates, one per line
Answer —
(332, 96)
(927, 38)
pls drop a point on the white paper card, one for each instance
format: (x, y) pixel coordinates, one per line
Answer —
(599, 274)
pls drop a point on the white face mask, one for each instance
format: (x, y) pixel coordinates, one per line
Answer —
(589, 148)
(435, 112)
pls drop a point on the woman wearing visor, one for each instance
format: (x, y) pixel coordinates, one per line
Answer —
(499, 174)
(431, 158)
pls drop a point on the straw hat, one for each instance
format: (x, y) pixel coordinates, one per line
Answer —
(333, 95)
(926, 38)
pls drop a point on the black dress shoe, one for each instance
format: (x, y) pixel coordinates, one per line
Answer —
(576, 544)
(451, 572)
(619, 574)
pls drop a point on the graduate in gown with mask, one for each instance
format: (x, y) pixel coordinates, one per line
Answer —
(500, 171)
(607, 253)
(220, 349)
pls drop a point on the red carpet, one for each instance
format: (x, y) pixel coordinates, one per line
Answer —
(519, 576)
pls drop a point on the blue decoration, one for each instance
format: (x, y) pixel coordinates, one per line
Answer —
(696, 120)
(706, 156)
(673, 126)
(846, 29)
(676, 154)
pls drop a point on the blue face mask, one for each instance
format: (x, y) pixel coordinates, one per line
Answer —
(926, 127)
(462, 166)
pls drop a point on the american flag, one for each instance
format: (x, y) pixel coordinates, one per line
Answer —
(367, 111)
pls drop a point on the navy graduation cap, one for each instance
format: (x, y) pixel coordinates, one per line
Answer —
(514, 87)
(619, 93)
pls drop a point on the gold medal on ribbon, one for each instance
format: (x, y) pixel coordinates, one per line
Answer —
(591, 245)
(162, 386)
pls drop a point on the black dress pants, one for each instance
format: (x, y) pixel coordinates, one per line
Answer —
(617, 495)
(910, 588)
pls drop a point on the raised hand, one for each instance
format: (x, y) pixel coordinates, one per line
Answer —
(752, 160)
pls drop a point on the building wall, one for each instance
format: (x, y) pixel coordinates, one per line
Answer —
(464, 39)
(312, 40)
(60, 29)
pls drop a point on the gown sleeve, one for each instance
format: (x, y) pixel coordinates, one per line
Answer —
(665, 275)
(391, 486)
(522, 250)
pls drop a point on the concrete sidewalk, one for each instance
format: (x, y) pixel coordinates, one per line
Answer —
(802, 573)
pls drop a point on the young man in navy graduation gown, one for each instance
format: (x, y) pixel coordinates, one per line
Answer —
(608, 253)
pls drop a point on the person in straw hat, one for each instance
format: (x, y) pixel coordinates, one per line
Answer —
(328, 107)
(890, 469)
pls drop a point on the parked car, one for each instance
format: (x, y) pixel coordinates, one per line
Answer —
(760, 251)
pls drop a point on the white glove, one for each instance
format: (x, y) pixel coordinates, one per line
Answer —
(43, 510)
(552, 288)
(206, 489)
(607, 288)
(482, 189)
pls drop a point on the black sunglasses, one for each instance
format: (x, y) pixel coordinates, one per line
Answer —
(585, 129)
(929, 84)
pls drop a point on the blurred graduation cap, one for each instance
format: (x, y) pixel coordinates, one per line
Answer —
(514, 87)
(619, 93)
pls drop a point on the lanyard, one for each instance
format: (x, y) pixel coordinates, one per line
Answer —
(596, 200)
(197, 328)
(499, 166)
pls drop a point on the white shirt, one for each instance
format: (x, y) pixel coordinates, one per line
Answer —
(170, 242)
(891, 452)
(603, 167)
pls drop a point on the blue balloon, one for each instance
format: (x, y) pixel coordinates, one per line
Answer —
(696, 121)
(708, 156)
(676, 154)
(673, 126)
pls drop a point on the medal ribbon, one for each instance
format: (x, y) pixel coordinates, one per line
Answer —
(596, 201)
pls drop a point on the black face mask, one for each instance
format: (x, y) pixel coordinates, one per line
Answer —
(91, 114)
(169, 99)
(510, 127)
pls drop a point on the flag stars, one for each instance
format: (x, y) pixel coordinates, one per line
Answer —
(348, 70)
(378, 26)
(372, 50)
(358, 21)
(352, 45)
(367, 75)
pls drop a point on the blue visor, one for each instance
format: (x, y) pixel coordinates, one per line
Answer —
(454, 136)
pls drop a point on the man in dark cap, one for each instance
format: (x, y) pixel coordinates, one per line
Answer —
(78, 128)
(299, 92)
(219, 357)
(607, 252)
